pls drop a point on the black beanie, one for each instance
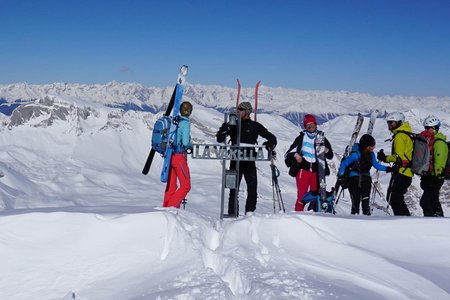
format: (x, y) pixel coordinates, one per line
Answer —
(366, 140)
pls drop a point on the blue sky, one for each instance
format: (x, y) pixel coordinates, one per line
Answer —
(374, 46)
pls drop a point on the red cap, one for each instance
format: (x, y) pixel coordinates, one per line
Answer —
(309, 119)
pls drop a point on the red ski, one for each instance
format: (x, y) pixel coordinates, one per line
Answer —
(256, 97)
(238, 93)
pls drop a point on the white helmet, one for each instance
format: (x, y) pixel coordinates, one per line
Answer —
(395, 116)
(431, 121)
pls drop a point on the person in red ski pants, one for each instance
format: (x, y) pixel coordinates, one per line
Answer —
(179, 169)
(306, 159)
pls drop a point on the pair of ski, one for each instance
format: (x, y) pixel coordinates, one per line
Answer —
(349, 148)
(174, 103)
(256, 96)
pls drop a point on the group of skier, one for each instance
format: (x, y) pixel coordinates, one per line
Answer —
(353, 173)
(401, 156)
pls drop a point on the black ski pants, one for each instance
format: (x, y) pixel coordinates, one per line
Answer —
(398, 186)
(247, 169)
(429, 201)
(359, 188)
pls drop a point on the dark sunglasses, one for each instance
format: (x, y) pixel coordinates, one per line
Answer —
(240, 109)
(428, 127)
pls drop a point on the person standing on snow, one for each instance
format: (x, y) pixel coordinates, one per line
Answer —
(432, 183)
(250, 130)
(401, 155)
(305, 156)
(357, 165)
(179, 169)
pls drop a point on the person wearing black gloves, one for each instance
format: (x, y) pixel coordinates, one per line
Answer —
(250, 131)
(401, 154)
(355, 172)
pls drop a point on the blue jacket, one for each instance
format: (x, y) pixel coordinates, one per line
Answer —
(183, 135)
(354, 158)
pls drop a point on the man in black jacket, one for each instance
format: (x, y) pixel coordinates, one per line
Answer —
(250, 130)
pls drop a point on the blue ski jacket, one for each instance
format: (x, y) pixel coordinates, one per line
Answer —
(354, 158)
(183, 135)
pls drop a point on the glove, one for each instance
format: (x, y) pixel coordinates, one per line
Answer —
(222, 133)
(342, 181)
(224, 129)
(389, 169)
(269, 146)
(381, 156)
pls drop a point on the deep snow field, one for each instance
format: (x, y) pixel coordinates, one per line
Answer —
(78, 220)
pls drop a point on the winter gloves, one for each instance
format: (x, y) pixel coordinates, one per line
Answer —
(224, 129)
(342, 181)
(222, 133)
(269, 145)
(381, 156)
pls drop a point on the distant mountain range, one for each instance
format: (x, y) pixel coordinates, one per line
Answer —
(289, 103)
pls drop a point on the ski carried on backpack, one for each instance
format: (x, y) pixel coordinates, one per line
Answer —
(160, 146)
(349, 148)
(172, 137)
(373, 118)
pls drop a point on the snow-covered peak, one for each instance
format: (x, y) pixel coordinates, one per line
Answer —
(291, 103)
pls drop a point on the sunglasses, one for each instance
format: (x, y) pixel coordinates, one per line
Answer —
(240, 109)
(428, 127)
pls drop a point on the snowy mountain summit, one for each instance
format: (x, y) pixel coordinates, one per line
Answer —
(78, 220)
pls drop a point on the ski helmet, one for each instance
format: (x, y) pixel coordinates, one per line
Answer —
(395, 116)
(309, 119)
(245, 106)
(366, 140)
(186, 109)
(431, 121)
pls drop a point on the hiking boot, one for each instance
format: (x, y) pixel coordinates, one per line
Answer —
(249, 214)
(229, 216)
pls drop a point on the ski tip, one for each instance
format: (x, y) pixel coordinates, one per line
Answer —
(184, 70)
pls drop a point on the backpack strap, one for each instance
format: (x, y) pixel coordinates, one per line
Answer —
(297, 142)
(356, 164)
(412, 136)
